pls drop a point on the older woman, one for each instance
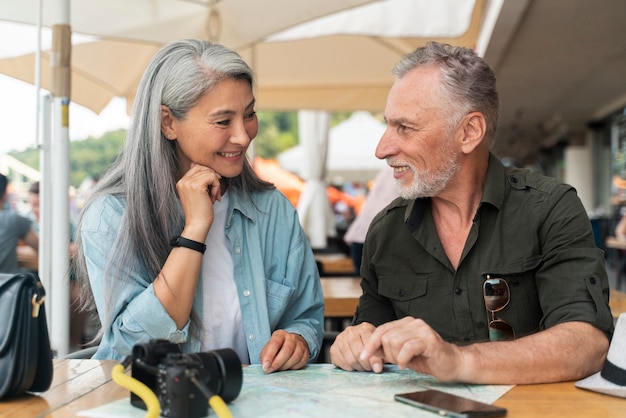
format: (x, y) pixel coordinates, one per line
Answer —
(182, 241)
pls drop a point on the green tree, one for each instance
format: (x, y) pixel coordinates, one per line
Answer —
(88, 158)
(91, 157)
(278, 131)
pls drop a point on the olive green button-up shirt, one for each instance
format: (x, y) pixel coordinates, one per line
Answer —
(529, 229)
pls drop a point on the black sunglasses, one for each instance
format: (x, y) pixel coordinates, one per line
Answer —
(497, 296)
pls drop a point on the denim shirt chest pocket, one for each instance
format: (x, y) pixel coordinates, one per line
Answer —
(278, 293)
(524, 310)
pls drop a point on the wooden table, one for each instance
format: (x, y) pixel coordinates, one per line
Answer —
(335, 264)
(560, 400)
(77, 385)
(341, 295)
(84, 384)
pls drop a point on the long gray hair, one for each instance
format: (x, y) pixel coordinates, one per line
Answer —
(468, 82)
(146, 171)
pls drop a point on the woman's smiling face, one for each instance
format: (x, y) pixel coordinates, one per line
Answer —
(217, 131)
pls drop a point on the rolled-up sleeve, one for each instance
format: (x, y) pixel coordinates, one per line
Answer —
(136, 313)
(572, 280)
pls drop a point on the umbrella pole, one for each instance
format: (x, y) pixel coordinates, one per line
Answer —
(45, 187)
(38, 73)
(60, 288)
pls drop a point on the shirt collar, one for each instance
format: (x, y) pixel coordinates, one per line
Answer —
(241, 202)
(494, 189)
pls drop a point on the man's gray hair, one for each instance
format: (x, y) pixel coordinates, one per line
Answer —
(467, 80)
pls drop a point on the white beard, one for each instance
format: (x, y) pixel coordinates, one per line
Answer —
(429, 184)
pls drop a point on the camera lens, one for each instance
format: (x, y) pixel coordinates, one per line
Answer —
(225, 376)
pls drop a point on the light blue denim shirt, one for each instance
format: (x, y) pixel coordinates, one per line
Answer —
(274, 268)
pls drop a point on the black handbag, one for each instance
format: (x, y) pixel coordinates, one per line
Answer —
(25, 355)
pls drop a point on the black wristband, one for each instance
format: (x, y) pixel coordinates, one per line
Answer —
(187, 243)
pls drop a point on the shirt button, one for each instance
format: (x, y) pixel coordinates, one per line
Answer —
(513, 179)
(246, 293)
(251, 337)
(238, 250)
(592, 280)
(458, 291)
(401, 293)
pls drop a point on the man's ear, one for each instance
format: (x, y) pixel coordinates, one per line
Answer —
(167, 126)
(474, 129)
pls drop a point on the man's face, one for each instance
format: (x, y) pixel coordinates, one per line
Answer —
(418, 143)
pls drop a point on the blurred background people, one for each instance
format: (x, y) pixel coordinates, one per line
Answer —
(13, 228)
(382, 192)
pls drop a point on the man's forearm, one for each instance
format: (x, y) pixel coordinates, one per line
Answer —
(567, 351)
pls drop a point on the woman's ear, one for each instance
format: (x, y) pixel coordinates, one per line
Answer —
(167, 126)
(474, 129)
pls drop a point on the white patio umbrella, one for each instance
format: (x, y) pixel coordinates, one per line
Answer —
(314, 209)
(341, 61)
(101, 70)
(234, 23)
(133, 31)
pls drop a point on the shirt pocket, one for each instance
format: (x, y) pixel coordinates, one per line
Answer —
(407, 294)
(523, 312)
(278, 294)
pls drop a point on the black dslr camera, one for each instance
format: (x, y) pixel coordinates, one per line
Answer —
(183, 383)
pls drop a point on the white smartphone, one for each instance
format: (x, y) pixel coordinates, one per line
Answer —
(449, 405)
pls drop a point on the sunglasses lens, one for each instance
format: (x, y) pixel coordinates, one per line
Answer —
(496, 293)
(500, 331)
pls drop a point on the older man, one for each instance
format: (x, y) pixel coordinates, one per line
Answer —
(477, 273)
